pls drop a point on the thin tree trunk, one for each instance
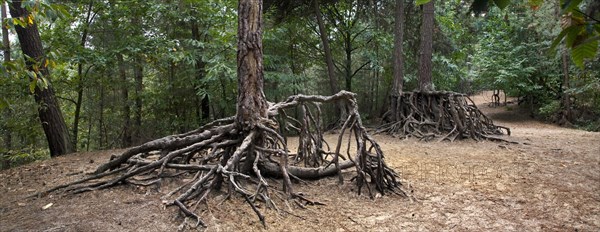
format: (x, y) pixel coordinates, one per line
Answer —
(5, 39)
(89, 132)
(348, 51)
(6, 50)
(138, 73)
(200, 74)
(426, 47)
(80, 79)
(398, 58)
(566, 99)
(333, 84)
(126, 110)
(6, 112)
(49, 112)
(101, 119)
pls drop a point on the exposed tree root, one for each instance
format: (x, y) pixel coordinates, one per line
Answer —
(442, 115)
(223, 153)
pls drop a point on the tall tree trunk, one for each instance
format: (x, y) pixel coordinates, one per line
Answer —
(398, 58)
(567, 114)
(252, 105)
(101, 119)
(333, 84)
(200, 73)
(138, 74)
(426, 47)
(126, 110)
(77, 115)
(6, 112)
(6, 50)
(49, 112)
(565, 98)
(348, 51)
(5, 39)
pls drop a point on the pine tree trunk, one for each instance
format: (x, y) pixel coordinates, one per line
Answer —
(426, 47)
(49, 112)
(252, 105)
(398, 58)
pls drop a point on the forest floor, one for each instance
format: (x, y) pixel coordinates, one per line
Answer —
(549, 181)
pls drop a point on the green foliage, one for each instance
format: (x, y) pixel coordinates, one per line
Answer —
(421, 2)
(506, 49)
(13, 158)
(502, 3)
(550, 109)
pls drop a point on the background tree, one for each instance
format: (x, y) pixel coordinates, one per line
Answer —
(50, 115)
(426, 47)
(6, 130)
(398, 59)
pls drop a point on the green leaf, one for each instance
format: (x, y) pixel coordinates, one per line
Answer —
(567, 31)
(573, 36)
(502, 3)
(32, 85)
(569, 5)
(62, 11)
(421, 2)
(584, 51)
(3, 103)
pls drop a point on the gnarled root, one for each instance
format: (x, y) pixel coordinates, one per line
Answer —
(222, 153)
(445, 115)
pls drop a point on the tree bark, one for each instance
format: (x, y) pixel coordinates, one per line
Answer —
(6, 50)
(398, 58)
(200, 73)
(251, 102)
(49, 112)
(333, 84)
(426, 47)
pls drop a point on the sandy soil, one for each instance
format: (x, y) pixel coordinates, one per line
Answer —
(550, 181)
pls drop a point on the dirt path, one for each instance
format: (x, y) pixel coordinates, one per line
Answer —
(550, 181)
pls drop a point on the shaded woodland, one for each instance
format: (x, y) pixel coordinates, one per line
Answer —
(159, 78)
(124, 73)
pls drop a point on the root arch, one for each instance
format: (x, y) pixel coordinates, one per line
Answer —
(226, 154)
(439, 114)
